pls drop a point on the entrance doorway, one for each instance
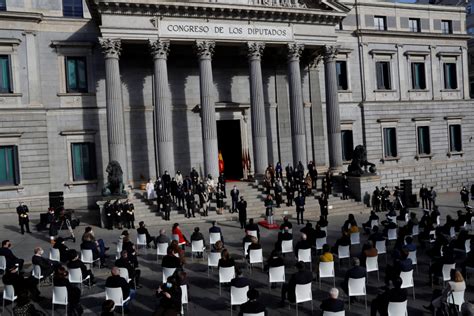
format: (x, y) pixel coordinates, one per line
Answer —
(229, 143)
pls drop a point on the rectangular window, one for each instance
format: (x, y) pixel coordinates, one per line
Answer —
(3, 5)
(446, 26)
(9, 168)
(424, 146)
(383, 75)
(83, 161)
(341, 72)
(73, 8)
(414, 25)
(455, 140)
(450, 79)
(418, 76)
(380, 23)
(5, 74)
(347, 145)
(76, 74)
(390, 142)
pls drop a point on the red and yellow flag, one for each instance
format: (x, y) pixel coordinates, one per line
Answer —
(221, 162)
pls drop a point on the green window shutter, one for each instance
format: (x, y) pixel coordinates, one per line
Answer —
(5, 82)
(71, 74)
(7, 165)
(83, 161)
(455, 141)
(424, 146)
(16, 166)
(81, 74)
(390, 142)
(77, 168)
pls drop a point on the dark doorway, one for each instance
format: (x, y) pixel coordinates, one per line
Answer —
(230, 145)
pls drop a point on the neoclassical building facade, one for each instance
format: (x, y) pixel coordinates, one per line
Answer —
(166, 86)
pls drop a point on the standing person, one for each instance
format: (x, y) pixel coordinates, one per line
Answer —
(234, 194)
(220, 200)
(242, 208)
(290, 193)
(329, 183)
(385, 194)
(278, 171)
(178, 177)
(345, 189)
(166, 179)
(464, 196)
(472, 191)
(221, 183)
(432, 198)
(109, 217)
(376, 200)
(278, 192)
(313, 173)
(129, 210)
(289, 173)
(424, 196)
(180, 196)
(23, 218)
(194, 177)
(167, 206)
(300, 203)
(204, 201)
(269, 209)
(190, 203)
(323, 205)
(150, 191)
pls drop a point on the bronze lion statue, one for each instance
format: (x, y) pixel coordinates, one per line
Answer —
(114, 185)
(359, 164)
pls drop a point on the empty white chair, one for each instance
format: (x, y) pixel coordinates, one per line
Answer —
(161, 249)
(414, 260)
(75, 276)
(286, 246)
(304, 255)
(456, 298)
(407, 280)
(397, 309)
(447, 271)
(357, 287)
(115, 294)
(381, 246)
(303, 293)
(3, 263)
(184, 298)
(9, 295)
(167, 272)
(326, 270)
(197, 246)
(53, 255)
(88, 257)
(415, 231)
(355, 238)
(246, 248)
(213, 260)
(141, 241)
(256, 256)
(343, 252)
(320, 242)
(60, 297)
(214, 237)
(36, 273)
(342, 313)
(392, 234)
(276, 275)
(238, 296)
(372, 264)
(225, 275)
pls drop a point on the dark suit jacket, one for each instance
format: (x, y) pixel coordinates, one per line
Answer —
(115, 281)
(397, 295)
(18, 282)
(240, 282)
(92, 246)
(122, 263)
(170, 262)
(9, 256)
(45, 264)
(355, 273)
(234, 195)
(332, 305)
(300, 277)
(78, 264)
(252, 307)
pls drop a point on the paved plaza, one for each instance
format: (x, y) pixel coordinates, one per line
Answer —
(204, 291)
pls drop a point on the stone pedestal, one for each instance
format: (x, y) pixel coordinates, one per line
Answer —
(362, 187)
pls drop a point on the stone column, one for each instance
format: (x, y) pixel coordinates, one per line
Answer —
(114, 103)
(164, 132)
(257, 106)
(296, 103)
(204, 50)
(332, 109)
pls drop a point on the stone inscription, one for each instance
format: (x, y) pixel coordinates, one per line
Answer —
(211, 30)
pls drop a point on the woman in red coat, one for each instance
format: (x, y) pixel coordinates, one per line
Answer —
(182, 241)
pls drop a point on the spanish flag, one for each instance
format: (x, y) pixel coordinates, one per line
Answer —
(221, 162)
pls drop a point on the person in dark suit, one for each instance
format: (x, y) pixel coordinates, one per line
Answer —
(252, 226)
(170, 260)
(10, 258)
(234, 194)
(23, 218)
(300, 203)
(242, 208)
(395, 295)
(302, 244)
(190, 204)
(47, 266)
(75, 263)
(252, 306)
(226, 261)
(402, 264)
(20, 284)
(169, 295)
(63, 249)
(356, 272)
(216, 229)
(284, 234)
(73, 292)
(376, 235)
(332, 303)
(302, 276)
(196, 236)
(142, 230)
(239, 281)
(133, 273)
(116, 281)
(275, 259)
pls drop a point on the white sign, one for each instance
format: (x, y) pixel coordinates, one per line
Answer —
(234, 31)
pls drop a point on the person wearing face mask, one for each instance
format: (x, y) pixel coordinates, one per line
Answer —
(47, 266)
(169, 294)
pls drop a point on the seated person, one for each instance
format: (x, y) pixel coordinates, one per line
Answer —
(356, 272)
(309, 231)
(376, 235)
(47, 266)
(275, 259)
(326, 255)
(142, 230)
(226, 261)
(10, 258)
(368, 225)
(60, 244)
(246, 239)
(302, 276)
(253, 246)
(216, 229)
(21, 285)
(239, 281)
(162, 238)
(252, 227)
(332, 303)
(252, 306)
(323, 222)
(133, 273)
(389, 225)
(196, 236)
(409, 244)
(73, 292)
(217, 247)
(286, 223)
(319, 233)
(436, 268)
(403, 264)
(344, 240)
(88, 243)
(395, 295)
(76, 263)
(130, 247)
(283, 235)
(108, 308)
(368, 250)
(302, 244)
(169, 295)
(170, 260)
(116, 281)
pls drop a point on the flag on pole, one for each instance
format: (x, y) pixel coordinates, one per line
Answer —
(221, 163)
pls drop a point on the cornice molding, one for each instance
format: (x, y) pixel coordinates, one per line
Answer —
(21, 16)
(437, 36)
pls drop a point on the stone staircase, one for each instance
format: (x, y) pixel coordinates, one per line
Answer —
(254, 196)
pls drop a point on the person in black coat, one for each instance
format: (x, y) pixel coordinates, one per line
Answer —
(302, 276)
(169, 295)
(395, 295)
(332, 303)
(242, 208)
(142, 230)
(239, 281)
(23, 218)
(323, 205)
(116, 281)
(234, 194)
(252, 306)
(133, 273)
(75, 263)
(63, 249)
(254, 227)
(300, 203)
(47, 266)
(73, 292)
(356, 272)
(20, 283)
(10, 258)
(170, 260)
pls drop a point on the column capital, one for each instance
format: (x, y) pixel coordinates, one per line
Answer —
(330, 53)
(111, 47)
(255, 50)
(294, 51)
(159, 48)
(205, 49)
(315, 60)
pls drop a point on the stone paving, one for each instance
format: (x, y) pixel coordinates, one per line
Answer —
(204, 291)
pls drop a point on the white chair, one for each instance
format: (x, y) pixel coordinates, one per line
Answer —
(381, 246)
(36, 273)
(392, 234)
(303, 293)
(415, 231)
(161, 249)
(320, 242)
(9, 295)
(414, 260)
(456, 298)
(447, 271)
(175, 237)
(141, 241)
(118, 250)
(374, 222)
(246, 248)
(54, 255)
(304, 255)
(355, 238)
(197, 246)
(225, 276)
(432, 236)
(88, 257)
(124, 274)
(467, 246)
(213, 261)
(452, 232)
(276, 275)
(343, 313)
(372, 264)
(167, 272)
(392, 218)
(253, 233)
(59, 297)
(184, 298)
(325, 229)
(238, 296)
(343, 252)
(438, 220)
(3, 263)
(397, 309)
(326, 270)
(254, 314)
(286, 246)
(75, 276)
(214, 237)
(115, 294)
(255, 256)
(407, 280)
(357, 287)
